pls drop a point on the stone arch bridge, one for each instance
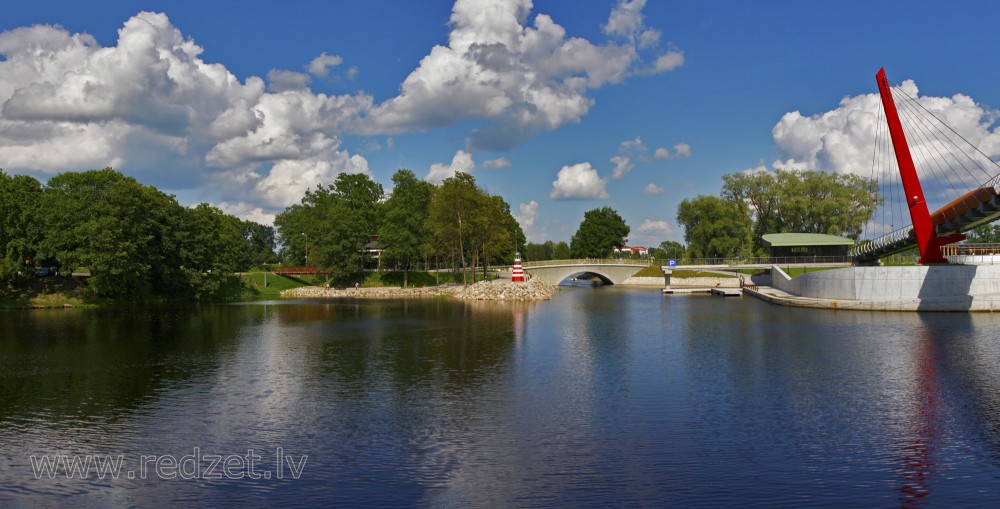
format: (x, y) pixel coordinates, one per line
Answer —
(554, 272)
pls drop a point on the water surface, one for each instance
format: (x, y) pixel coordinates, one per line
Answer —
(598, 397)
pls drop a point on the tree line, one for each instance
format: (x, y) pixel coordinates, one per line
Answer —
(751, 205)
(456, 224)
(135, 240)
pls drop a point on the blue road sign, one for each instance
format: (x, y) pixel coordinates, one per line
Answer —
(671, 262)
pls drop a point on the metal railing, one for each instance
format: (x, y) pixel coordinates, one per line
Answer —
(893, 237)
(685, 262)
(970, 249)
(763, 260)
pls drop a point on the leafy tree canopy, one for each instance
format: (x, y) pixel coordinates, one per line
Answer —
(985, 234)
(404, 231)
(332, 224)
(601, 231)
(713, 227)
(792, 201)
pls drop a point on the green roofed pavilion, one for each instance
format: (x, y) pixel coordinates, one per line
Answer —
(807, 247)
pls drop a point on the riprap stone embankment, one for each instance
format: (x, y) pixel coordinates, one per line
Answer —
(499, 290)
(502, 290)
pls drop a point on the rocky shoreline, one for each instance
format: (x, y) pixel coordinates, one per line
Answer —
(499, 290)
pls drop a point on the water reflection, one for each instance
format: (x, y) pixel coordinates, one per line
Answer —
(922, 427)
(101, 365)
(598, 397)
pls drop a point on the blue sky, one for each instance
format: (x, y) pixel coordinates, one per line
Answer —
(558, 106)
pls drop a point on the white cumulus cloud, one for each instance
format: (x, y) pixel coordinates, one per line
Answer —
(247, 211)
(149, 101)
(651, 232)
(842, 140)
(628, 152)
(288, 179)
(623, 165)
(681, 151)
(578, 182)
(650, 226)
(320, 66)
(496, 164)
(280, 81)
(667, 62)
(652, 190)
(523, 78)
(461, 162)
(529, 212)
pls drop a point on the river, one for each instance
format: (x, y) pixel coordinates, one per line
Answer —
(600, 397)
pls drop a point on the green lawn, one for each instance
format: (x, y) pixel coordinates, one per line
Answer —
(416, 278)
(254, 284)
(650, 271)
(798, 271)
(49, 292)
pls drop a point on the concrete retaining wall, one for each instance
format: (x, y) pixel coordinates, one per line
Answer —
(705, 282)
(892, 283)
(645, 281)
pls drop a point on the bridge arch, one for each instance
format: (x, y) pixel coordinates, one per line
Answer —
(601, 277)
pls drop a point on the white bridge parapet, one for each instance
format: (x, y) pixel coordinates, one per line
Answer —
(613, 273)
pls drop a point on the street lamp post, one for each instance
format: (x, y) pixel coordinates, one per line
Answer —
(307, 249)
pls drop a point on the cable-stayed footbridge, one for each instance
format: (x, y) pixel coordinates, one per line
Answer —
(949, 163)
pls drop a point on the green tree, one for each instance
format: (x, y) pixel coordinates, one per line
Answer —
(332, 224)
(169, 225)
(985, 234)
(471, 226)
(537, 252)
(560, 251)
(19, 198)
(601, 231)
(259, 243)
(801, 202)
(502, 234)
(755, 195)
(672, 249)
(99, 219)
(404, 225)
(822, 202)
(451, 220)
(213, 248)
(713, 228)
(293, 225)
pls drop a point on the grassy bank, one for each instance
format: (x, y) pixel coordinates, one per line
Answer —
(416, 279)
(249, 286)
(47, 293)
(798, 271)
(252, 283)
(254, 288)
(656, 271)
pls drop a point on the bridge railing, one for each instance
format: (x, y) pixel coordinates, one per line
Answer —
(296, 270)
(892, 238)
(762, 260)
(587, 261)
(729, 261)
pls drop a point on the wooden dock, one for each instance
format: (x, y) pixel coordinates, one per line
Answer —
(685, 291)
(727, 292)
